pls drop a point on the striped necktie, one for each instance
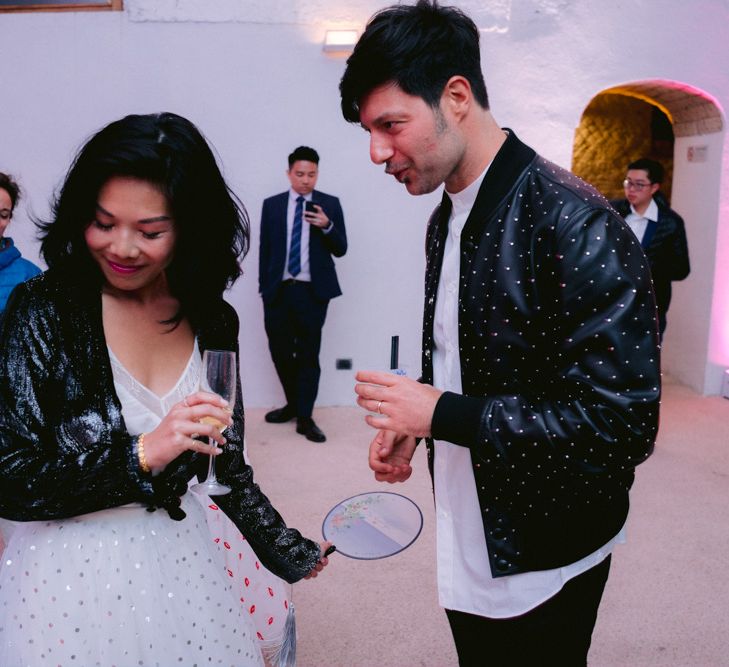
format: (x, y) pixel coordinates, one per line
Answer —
(295, 249)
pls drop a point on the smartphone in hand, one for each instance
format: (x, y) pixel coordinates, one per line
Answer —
(310, 207)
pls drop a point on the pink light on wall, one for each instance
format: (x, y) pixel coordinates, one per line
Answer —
(719, 338)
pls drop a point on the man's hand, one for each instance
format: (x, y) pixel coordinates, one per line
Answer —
(390, 456)
(405, 406)
(318, 219)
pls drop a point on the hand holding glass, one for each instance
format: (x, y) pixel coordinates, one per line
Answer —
(218, 376)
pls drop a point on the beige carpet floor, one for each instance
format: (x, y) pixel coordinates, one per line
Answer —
(667, 599)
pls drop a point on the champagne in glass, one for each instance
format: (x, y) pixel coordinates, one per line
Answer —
(218, 376)
(214, 422)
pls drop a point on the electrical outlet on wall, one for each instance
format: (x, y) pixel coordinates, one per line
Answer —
(344, 364)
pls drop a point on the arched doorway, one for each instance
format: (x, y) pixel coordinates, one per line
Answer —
(683, 128)
(617, 128)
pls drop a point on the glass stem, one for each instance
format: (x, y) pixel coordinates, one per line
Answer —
(211, 478)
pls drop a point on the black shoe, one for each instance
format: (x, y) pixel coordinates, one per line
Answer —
(280, 416)
(307, 427)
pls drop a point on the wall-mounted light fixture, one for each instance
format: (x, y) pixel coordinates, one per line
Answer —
(340, 41)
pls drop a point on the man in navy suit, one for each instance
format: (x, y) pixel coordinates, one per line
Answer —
(301, 230)
(658, 227)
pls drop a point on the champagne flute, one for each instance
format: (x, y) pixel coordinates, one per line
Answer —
(217, 376)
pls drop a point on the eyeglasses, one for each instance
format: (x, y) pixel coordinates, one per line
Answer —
(6, 214)
(635, 185)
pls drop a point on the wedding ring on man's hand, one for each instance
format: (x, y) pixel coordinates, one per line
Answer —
(379, 407)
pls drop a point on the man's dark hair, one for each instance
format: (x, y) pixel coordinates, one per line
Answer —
(654, 169)
(169, 152)
(303, 153)
(11, 187)
(419, 48)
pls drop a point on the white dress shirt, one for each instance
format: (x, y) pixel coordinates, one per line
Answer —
(464, 575)
(638, 222)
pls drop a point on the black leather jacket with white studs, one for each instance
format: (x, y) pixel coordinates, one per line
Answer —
(559, 360)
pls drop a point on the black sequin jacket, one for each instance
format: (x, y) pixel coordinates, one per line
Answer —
(64, 447)
(559, 360)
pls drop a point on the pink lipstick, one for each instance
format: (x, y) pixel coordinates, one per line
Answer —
(121, 268)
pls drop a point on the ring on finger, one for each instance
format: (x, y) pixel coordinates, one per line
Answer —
(379, 407)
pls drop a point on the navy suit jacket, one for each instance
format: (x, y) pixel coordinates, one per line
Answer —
(322, 247)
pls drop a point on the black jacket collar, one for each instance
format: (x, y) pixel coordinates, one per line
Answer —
(508, 165)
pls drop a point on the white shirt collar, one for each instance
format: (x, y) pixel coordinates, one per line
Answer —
(651, 213)
(464, 200)
(293, 195)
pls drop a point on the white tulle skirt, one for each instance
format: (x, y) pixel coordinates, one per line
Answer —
(125, 587)
(265, 598)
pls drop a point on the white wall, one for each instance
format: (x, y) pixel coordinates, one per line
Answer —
(254, 78)
(718, 360)
(696, 197)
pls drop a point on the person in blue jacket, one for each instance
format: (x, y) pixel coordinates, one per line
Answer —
(13, 268)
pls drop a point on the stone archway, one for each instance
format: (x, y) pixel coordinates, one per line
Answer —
(683, 128)
(616, 129)
(641, 119)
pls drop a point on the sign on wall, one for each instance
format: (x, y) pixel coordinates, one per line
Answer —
(697, 153)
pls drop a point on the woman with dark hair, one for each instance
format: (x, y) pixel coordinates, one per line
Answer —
(14, 269)
(99, 415)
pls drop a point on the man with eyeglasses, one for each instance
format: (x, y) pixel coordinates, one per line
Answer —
(660, 229)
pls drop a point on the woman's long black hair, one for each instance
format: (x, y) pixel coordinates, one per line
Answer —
(213, 230)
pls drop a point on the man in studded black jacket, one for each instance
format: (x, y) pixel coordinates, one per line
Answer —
(541, 380)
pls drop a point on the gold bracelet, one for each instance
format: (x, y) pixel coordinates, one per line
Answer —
(140, 453)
